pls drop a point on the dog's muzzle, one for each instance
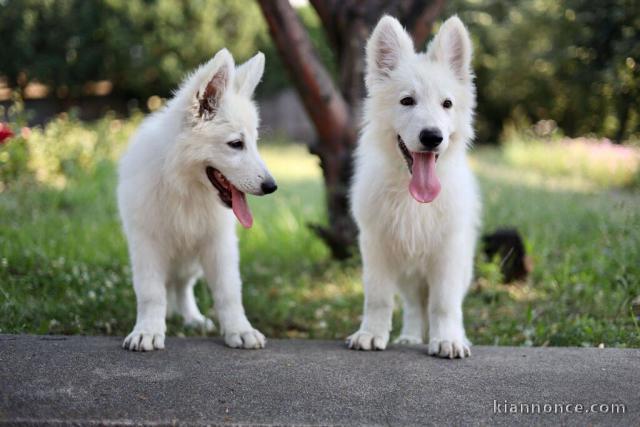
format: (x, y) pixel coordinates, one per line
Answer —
(405, 153)
(408, 157)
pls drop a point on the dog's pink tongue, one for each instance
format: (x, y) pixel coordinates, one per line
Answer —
(424, 186)
(241, 208)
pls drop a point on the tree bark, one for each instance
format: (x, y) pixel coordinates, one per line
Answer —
(329, 113)
(335, 112)
(624, 105)
(348, 24)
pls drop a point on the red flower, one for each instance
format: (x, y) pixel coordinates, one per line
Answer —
(5, 132)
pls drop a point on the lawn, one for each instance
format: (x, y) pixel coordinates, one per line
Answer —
(64, 267)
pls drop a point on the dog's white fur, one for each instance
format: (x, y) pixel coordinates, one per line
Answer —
(423, 251)
(175, 223)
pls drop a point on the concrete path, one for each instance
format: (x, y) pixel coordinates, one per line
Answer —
(84, 380)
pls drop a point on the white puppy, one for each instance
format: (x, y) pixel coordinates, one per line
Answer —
(414, 197)
(183, 178)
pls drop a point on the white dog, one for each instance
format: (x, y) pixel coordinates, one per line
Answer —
(181, 181)
(414, 197)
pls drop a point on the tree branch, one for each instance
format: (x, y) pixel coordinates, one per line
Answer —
(324, 103)
(329, 113)
(417, 16)
(419, 20)
(326, 12)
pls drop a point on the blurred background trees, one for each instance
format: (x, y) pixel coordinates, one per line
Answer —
(143, 47)
(576, 62)
(572, 61)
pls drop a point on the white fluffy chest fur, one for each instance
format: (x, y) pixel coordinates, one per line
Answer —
(154, 199)
(385, 210)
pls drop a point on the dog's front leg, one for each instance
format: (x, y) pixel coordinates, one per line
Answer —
(413, 309)
(449, 278)
(379, 289)
(149, 269)
(220, 262)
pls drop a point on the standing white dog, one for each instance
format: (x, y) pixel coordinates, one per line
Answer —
(418, 227)
(187, 169)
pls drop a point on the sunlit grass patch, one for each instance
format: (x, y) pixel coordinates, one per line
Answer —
(289, 162)
(491, 164)
(599, 162)
(64, 264)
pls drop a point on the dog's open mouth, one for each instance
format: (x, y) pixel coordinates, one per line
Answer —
(231, 196)
(424, 185)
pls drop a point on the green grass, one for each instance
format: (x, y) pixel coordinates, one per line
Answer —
(64, 266)
(597, 163)
(585, 247)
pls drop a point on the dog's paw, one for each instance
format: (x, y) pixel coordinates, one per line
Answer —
(454, 349)
(363, 340)
(251, 338)
(407, 340)
(204, 324)
(143, 341)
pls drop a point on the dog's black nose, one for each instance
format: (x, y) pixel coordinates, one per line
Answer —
(268, 186)
(430, 138)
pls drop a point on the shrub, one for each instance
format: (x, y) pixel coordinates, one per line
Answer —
(65, 150)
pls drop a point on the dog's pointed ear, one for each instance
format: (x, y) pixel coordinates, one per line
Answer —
(452, 46)
(248, 75)
(388, 45)
(217, 82)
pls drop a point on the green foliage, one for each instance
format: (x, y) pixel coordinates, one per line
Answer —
(65, 151)
(144, 47)
(14, 157)
(64, 265)
(574, 61)
(13, 161)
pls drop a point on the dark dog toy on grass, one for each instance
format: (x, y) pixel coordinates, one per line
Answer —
(508, 244)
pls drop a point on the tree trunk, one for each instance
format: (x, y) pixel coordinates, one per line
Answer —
(336, 113)
(624, 104)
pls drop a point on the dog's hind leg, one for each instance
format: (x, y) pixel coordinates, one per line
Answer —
(149, 269)
(186, 306)
(413, 293)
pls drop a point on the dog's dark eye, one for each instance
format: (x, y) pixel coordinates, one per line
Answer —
(236, 145)
(447, 103)
(407, 100)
